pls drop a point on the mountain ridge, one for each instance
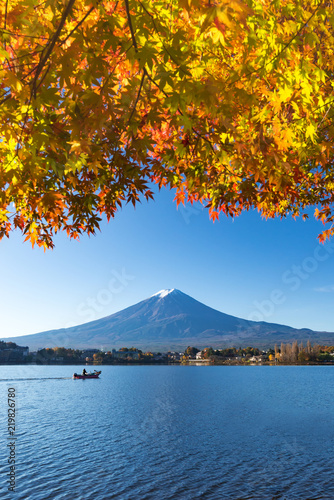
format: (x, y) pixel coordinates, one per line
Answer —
(170, 320)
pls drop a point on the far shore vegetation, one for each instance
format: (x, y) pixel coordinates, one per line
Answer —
(283, 354)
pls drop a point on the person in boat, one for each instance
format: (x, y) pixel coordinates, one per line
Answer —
(84, 372)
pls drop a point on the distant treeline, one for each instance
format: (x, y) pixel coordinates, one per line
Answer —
(11, 353)
(284, 354)
(61, 355)
(7, 345)
(298, 353)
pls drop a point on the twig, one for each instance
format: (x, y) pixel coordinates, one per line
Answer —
(128, 15)
(5, 30)
(162, 43)
(49, 48)
(43, 77)
(5, 24)
(324, 117)
(79, 24)
(138, 95)
(281, 51)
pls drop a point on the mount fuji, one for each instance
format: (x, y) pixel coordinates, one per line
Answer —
(170, 320)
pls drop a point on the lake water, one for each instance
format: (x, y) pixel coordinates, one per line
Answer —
(170, 432)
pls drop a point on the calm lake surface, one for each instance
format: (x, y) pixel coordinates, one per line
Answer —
(171, 432)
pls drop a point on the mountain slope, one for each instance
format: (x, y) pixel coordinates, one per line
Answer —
(169, 319)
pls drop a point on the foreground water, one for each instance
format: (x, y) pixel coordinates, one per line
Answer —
(170, 432)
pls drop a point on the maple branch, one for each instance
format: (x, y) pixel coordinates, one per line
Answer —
(6, 9)
(182, 114)
(138, 95)
(43, 77)
(6, 65)
(316, 109)
(22, 56)
(128, 15)
(295, 35)
(49, 48)
(147, 74)
(5, 23)
(5, 30)
(325, 115)
(84, 19)
(5, 99)
(281, 51)
(134, 41)
(162, 43)
(40, 4)
(79, 24)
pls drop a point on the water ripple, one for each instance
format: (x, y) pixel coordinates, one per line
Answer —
(173, 433)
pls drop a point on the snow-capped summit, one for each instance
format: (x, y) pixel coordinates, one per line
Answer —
(170, 320)
(163, 293)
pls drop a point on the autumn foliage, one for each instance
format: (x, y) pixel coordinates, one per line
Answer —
(230, 103)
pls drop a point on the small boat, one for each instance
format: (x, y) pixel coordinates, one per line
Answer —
(87, 375)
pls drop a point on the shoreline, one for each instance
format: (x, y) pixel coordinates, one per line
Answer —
(175, 363)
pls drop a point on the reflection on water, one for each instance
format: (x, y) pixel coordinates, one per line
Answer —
(171, 432)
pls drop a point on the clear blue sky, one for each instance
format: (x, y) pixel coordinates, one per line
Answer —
(273, 270)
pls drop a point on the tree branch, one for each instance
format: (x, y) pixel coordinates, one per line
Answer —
(49, 48)
(281, 51)
(79, 24)
(6, 10)
(128, 15)
(5, 23)
(138, 95)
(162, 43)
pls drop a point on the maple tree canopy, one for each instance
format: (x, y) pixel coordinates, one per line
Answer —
(230, 103)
